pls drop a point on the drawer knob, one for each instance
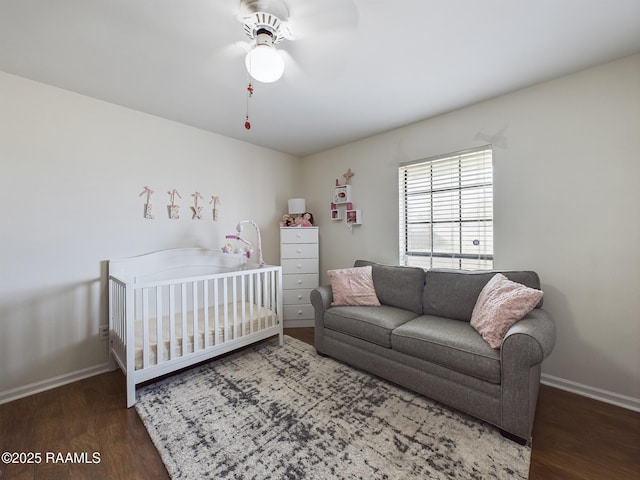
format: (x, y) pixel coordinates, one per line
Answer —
(299, 297)
(300, 282)
(299, 312)
(299, 266)
(298, 251)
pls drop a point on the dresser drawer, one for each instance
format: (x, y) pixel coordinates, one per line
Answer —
(296, 297)
(299, 250)
(299, 281)
(299, 265)
(293, 312)
(299, 235)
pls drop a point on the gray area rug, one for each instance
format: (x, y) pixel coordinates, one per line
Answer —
(270, 412)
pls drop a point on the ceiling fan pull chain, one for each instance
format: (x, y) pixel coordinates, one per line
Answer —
(247, 124)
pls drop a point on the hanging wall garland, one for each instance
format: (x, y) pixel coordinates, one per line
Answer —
(148, 209)
(197, 211)
(174, 209)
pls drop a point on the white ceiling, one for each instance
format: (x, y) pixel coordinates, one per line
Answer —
(360, 67)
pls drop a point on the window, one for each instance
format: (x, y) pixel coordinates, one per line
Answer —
(446, 211)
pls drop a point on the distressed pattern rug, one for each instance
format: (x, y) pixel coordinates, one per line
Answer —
(270, 412)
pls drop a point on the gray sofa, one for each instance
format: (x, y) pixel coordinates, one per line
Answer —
(420, 337)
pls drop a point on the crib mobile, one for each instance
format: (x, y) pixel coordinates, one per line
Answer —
(242, 245)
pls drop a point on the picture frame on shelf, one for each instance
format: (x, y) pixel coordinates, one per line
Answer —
(342, 194)
(354, 217)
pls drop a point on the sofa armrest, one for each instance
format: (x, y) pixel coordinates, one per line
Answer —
(526, 344)
(321, 298)
(537, 330)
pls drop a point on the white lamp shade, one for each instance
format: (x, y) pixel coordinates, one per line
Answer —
(264, 63)
(297, 206)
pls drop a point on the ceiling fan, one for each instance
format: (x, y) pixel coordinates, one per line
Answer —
(265, 27)
(267, 23)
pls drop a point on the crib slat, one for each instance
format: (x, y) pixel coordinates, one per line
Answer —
(183, 308)
(145, 327)
(259, 299)
(267, 303)
(274, 300)
(267, 299)
(251, 301)
(160, 343)
(205, 307)
(118, 309)
(194, 296)
(234, 306)
(243, 313)
(172, 322)
(130, 343)
(216, 312)
(225, 308)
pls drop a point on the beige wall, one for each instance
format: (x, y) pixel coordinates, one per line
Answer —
(566, 168)
(72, 169)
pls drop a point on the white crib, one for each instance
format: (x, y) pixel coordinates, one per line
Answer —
(174, 308)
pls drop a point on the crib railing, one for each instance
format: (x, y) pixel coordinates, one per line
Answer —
(158, 322)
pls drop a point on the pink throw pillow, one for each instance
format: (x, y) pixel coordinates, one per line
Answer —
(502, 303)
(353, 286)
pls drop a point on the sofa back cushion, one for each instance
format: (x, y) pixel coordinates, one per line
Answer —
(397, 286)
(453, 293)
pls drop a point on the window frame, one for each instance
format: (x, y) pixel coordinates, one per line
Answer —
(471, 162)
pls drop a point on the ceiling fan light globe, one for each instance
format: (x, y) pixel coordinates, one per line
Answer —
(264, 64)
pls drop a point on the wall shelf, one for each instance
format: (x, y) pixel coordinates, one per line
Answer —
(342, 194)
(342, 198)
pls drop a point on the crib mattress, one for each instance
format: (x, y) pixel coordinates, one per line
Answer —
(255, 318)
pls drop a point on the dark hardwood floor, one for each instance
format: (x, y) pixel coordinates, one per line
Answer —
(573, 438)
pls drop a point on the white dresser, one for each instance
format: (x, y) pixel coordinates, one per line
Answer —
(300, 273)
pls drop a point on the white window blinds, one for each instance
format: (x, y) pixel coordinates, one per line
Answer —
(446, 211)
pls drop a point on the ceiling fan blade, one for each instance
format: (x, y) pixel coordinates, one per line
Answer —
(312, 19)
(318, 58)
(292, 72)
(236, 49)
(226, 63)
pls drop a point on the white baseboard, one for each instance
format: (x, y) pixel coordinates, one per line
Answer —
(298, 323)
(630, 403)
(624, 401)
(37, 387)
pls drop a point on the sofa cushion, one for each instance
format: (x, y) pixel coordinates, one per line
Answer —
(373, 324)
(353, 286)
(396, 285)
(453, 293)
(450, 344)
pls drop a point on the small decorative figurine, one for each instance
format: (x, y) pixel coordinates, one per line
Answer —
(307, 220)
(287, 220)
